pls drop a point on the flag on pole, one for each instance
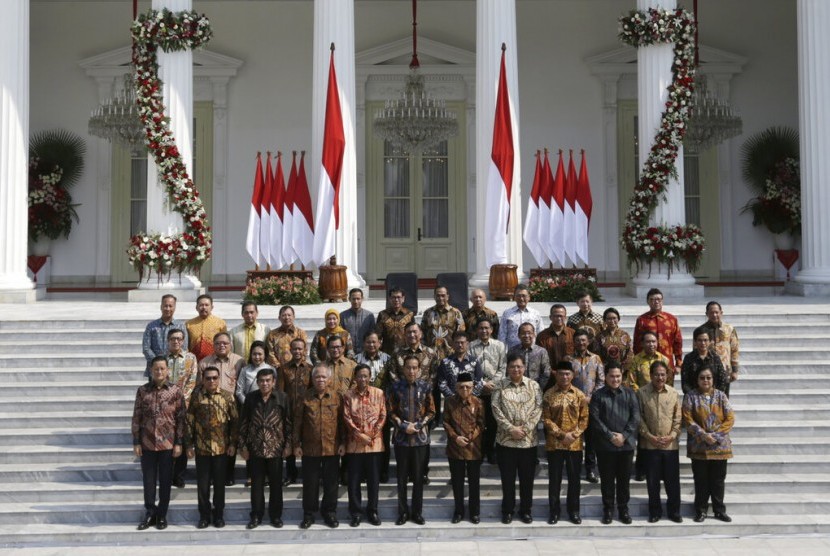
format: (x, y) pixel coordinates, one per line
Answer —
(545, 204)
(254, 220)
(570, 205)
(584, 206)
(288, 255)
(328, 191)
(302, 234)
(500, 176)
(276, 203)
(557, 214)
(531, 231)
(265, 214)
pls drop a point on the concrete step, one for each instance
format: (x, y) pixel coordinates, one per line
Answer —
(97, 358)
(784, 354)
(798, 366)
(769, 412)
(80, 418)
(27, 376)
(808, 397)
(70, 436)
(751, 382)
(59, 404)
(71, 389)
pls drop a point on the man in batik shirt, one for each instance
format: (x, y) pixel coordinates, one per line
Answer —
(478, 312)
(637, 370)
(665, 326)
(464, 424)
(516, 316)
(491, 354)
(279, 340)
(724, 341)
(535, 358)
(440, 322)
(212, 434)
(203, 328)
(372, 357)
(154, 342)
(249, 331)
(558, 338)
(183, 373)
(294, 380)
(586, 318)
(158, 429)
(392, 321)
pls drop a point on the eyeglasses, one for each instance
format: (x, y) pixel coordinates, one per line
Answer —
(176, 339)
(704, 378)
(221, 343)
(211, 378)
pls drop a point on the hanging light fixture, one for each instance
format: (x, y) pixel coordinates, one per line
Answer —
(116, 119)
(712, 120)
(415, 121)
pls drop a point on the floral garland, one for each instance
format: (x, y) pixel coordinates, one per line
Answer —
(663, 244)
(51, 210)
(188, 251)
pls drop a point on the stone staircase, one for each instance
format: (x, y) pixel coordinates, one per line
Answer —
(68, 475)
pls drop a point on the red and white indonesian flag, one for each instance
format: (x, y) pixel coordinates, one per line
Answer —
(302, 225)
(531, 231)
(265, 214)
(254, 220)
(584, 206)
(545, 204)
(500, 177)
(328, 192)
(570, 210)
(557, 214)
(277, 206)
(288, 254)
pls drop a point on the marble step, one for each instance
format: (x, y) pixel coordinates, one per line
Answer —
(181, 511)
(76, 389)
(78, 418)
(114, 371)
(798, 365)
(58, 403)
(807, 397)
(98, 358)
(750, 382)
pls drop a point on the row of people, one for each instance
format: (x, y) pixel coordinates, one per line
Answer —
(328, 423)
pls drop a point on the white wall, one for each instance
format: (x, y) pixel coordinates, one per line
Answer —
(270, 101)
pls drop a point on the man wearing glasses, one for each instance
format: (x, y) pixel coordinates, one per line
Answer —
(183, 371)
(558, 338)
(665, 326)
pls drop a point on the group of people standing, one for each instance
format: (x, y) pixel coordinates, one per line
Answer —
(365, 387)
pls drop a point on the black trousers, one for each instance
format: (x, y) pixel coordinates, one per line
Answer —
(157, 466)
(488, 439)
(291, 468)
(261, 468)
(513, 461)
(387, 448)
(615, 478)
(230, 468)
(472, 469)
(572, 463)
(211, 468)
(364, 467)
(590, 453)
(410, 463)
(327, 467)
(709, 476)
(180, 464)
(662, 465)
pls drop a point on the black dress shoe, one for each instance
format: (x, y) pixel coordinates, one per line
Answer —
(331, 521)
(606, 518)
(178, 482)
(639, 477)
(355, 521)
(491, 459)
(286, 481)
(161, 523)
(218, 522)
(254, 523)
(507, 518)
(456, 518)
(307, 522)
(426, 480)
(526, 518)
(676, 518)
(276, 522)
(653, 519)
(373, 518)
(203, 524)
(403, 518)
(699, 517)
(475, 520)
(625, 517)
(418, 519)
(723, 517)
(575, 519)
(148, 522)
(592, 478)
(231, 482)
(553, 519)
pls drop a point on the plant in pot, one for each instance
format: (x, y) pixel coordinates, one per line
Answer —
(770, 165)
(56, 162)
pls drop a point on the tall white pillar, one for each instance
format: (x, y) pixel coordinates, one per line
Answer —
(334, 23)
(654, 75)
(814, 123)
(15, 285)
(176, 74)
(495, 24)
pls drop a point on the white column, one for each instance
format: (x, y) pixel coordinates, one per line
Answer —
(814, 123)
(495, 24)
(15, 285)
(654, 65)
(334, 23)
(176, 74)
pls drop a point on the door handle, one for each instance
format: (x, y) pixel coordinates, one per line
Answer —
(419, 234)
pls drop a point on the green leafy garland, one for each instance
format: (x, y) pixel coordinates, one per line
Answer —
(671, 245)
(189, 250)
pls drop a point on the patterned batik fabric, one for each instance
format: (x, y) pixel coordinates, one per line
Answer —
(158, 417)
(669, 337)
(201, 332)
(391, 326)
(704, 415)
(364, 413)
(564, 411)
(411, 403)
(517, 405)
(439, 325)
(212, 423)
(266, 426)
(279, 344)
(464, 418)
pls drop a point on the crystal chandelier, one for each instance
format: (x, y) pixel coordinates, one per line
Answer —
(416, 121)
(712, 120)
(117, 119)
